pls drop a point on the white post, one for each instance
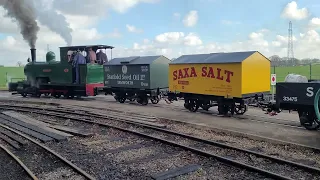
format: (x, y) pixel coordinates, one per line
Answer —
(272, 93)
(273, 83)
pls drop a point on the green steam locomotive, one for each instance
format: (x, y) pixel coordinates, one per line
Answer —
(78, 73)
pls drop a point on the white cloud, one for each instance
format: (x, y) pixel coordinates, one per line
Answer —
(314, 23)
(6, 24)
(292, 12)
(174, 44)
(133, 29)
(169, 37)
(170, 44)
(192, 40)
(191, 19)
(97, 7)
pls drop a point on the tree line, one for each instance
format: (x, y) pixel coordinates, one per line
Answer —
(284, 61)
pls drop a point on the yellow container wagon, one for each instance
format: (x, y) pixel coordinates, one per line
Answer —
(222, 79)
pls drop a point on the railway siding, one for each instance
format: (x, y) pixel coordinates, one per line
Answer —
(172, 139)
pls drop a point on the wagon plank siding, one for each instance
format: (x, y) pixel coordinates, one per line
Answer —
(127, 76)
(137, 72)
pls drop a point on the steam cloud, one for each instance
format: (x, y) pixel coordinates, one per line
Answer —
(24, 13)
(55, 22)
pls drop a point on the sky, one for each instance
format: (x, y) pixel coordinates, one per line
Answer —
(169, 27)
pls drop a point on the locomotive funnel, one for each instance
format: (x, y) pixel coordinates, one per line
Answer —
(33, 55)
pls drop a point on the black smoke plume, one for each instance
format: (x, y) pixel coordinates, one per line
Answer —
(23, 12)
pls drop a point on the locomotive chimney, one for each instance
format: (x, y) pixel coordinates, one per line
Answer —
(33, 55)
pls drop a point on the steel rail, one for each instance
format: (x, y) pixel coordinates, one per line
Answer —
(28, 171)
(249, 117)
(195, 150)
(243, 117)
(76, 168)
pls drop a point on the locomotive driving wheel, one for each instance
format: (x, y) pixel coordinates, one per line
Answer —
(70, 96)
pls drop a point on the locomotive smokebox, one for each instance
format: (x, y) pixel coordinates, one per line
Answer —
(33, 55)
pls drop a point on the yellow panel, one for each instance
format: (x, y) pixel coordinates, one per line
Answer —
(255, 74)
(205, 79)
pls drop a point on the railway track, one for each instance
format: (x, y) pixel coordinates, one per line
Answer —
(39, 157)
(13, 166)
(266, 165)
(244, 117)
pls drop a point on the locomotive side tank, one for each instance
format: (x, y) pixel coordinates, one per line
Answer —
(223, 79)
(137, 78)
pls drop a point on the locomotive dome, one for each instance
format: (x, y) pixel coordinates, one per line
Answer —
(50, 56)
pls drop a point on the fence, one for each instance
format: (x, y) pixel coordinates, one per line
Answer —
(10, 74)
(311, 71)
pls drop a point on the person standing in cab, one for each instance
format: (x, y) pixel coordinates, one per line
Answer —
(101, 57)
(92, 56)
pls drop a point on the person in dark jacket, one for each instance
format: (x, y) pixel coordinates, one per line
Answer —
(101, 57)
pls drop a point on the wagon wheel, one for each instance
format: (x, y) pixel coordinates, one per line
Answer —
(205, 107)
(309, 122)
(186, 105)
(155, 100)
(193, 106)
(121, 99)
(144, 101)
(240, 109)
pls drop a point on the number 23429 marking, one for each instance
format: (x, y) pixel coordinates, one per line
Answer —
(292, 99)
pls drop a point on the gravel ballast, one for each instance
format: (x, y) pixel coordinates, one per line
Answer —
(290, 152)
(9, 168)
